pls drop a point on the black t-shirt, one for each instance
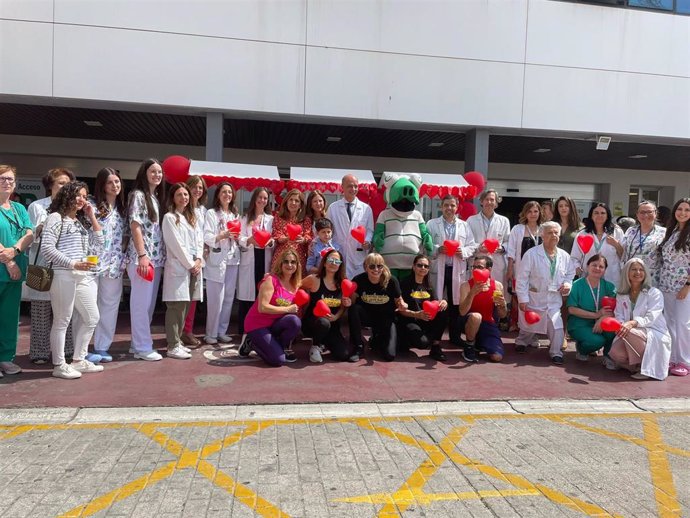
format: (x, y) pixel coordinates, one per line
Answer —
(415, 294)
(375, 297)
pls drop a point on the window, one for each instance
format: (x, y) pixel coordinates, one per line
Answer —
(639, 194)
(666, 5)
(683, 6)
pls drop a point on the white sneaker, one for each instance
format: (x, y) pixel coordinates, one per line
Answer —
(10, 368)
(150, 356)
(315, 354)
(610, 364)
(66, 371)
(86, 366)
(210, 340)
(184, 348)
(178, 353)
(581, 357)
(225, 339)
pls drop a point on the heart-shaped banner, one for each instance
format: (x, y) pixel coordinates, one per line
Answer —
(430, 307)
(262, 237)
(235, 226)
(585, 242)
(491, 245)
(610, 324)
(481, 276)
(608, 302)
(321, 309)
(359, 233)
(451, 247)
(532, 317)
(293, 231)
(149, 274)
(301, 298)
(348, 287)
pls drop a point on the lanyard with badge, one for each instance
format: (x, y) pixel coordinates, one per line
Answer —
(553, 266)
(641, 240)
(595, 297)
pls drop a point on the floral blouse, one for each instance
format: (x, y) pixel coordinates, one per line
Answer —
(151, 231)
(675, 266)
(111, 256)
(280, 230)
(645, 247)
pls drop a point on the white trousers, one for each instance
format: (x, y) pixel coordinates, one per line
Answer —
(109, 295)
(677, 314)
(72, 297)
(219, 299)
(554, 335)
(142, 302)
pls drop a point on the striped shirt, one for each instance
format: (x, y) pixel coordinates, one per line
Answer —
(73, 243)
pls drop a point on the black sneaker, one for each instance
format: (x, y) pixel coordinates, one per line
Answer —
(245, 348)
(557, 360)
(520, 348)
(437, 354)
(355, 356)
(469, 354)
(290, 357)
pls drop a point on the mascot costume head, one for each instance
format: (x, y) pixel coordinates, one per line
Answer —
(400, 232)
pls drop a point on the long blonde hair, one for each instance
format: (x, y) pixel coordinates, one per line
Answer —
(385, 273)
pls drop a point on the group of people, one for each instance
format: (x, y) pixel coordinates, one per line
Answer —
(302, 271)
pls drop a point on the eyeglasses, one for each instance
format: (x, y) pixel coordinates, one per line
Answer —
(422, 266)
(336, 262)
(289, 263)
(6, 179)
(375, 267)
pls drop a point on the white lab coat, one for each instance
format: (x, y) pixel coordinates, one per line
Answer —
(613, 270)
(532, 286)
(350, 248)
(246, 290)
(223, 253)
(182, 246)
(464, 236)
(499, 228)
(649, 315)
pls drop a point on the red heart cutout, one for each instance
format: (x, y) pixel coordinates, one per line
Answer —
(585, 241)
(348, 287)
(491, 245)
(608, 302)
(610, 324)
(359, 233)
(262, 237)
(235, 226)
(293, 231)
(532, 317)
(301, 298)
(481, 276)
(150, 273)
(321, 309)
(451, 247)
(430, 307)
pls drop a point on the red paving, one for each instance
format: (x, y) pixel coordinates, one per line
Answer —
(414, 377)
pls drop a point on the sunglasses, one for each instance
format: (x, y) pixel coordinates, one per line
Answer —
(288, 262)
(422, 266)
(375, 267)
(334, 261)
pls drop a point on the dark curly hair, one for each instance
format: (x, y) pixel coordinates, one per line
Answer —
(66, 199)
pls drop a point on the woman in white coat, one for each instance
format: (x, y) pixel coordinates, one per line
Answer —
(222, 264)
(544, 277)
(255, 261)
(643, 344)
(182, 274)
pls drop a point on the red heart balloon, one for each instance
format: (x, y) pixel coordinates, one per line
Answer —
(262, 237)
(321, 309)
(235, 226)
(532, 317)
(608, 302)
(150, 273)
(491, 245)
(451, 247)
(430, 307)
(585, 242)
(293, 231)
(348, 287)
(481, 275)
(610, 324)
(301, 298)
(359, 233)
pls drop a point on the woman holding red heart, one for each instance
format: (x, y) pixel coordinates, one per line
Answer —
(416, 328)
(291, 215)
(272, 322)
(255, 256)
(325, 285)
(587, 309)
(222, 265)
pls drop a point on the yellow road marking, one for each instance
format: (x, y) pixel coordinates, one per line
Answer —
(18, 430)
(429, 498)
(662, 478)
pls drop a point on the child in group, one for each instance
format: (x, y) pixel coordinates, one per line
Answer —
(324, 231)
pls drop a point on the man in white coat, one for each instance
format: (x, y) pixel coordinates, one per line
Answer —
(544, 277)
(449, 272)
(348, 213)
(489, 225)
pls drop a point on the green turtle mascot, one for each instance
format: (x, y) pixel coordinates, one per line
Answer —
(400, 232)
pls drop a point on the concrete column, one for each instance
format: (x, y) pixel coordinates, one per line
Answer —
(214, 137)
(477, 151)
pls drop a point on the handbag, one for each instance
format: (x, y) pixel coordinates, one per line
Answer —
(40, 278)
